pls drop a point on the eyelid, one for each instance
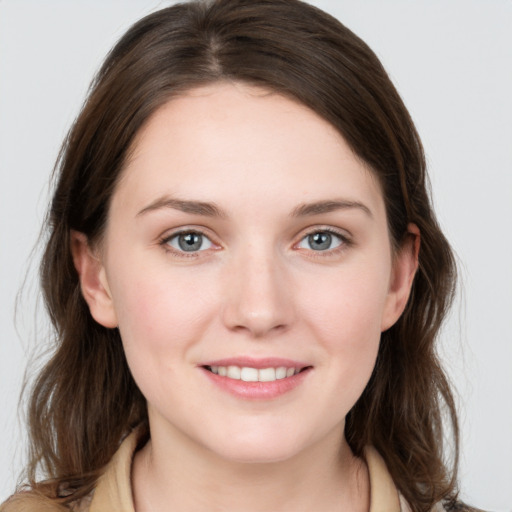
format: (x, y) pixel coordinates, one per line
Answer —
(175, 242)
(346, 239)
(343, 235)
(164, 239)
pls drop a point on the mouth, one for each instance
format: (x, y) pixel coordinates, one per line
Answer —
(250, 378)
(251, 374)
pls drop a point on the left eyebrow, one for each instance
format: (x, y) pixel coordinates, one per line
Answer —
(194, 207)
(328, 206)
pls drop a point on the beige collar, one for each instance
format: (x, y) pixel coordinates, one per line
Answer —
(113, 491)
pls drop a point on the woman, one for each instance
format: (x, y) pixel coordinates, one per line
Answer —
(246, 279)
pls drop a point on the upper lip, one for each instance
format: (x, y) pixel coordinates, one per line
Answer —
(260, 362)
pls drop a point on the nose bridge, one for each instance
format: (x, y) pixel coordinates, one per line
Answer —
(258, 299)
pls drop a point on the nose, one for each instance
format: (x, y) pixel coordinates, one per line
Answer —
(258, 295)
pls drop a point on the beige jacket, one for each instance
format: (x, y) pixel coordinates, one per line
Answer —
(113, 491)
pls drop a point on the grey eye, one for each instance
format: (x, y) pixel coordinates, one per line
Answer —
(190, 241)
(320, 241)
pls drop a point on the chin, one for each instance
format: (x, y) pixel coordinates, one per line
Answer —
(259, 454)
(260, 448)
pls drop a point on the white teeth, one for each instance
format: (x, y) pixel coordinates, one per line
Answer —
(248, 374)
(267, 374)
(280, 372)
(234, 372)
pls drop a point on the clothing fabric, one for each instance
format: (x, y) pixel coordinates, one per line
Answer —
(113, 491)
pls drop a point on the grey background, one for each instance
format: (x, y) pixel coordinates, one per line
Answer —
(451, 61)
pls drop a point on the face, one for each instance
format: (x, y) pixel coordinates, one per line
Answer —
(248, 265)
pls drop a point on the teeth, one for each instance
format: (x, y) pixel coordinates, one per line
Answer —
(266, 374)
(281, 372)
(234, 372)
(248, 374)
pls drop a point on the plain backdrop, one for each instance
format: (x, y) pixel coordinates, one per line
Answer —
(452, 63)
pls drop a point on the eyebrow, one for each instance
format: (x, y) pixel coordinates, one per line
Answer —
(194, 207)
(320, 207)
(208, 209)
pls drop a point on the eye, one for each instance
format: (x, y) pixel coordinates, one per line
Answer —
(189, 241)
(321, 241)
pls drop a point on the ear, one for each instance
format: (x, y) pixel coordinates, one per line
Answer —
(405, 265)
(93, 281)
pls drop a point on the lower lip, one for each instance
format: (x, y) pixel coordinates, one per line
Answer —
(257, 390)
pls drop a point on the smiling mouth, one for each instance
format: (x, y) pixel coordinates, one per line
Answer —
(248, 374)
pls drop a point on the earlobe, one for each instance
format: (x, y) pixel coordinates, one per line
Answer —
(93, 281)
(405, 265)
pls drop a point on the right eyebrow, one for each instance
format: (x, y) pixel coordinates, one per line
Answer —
(195, 207)
(327, 206)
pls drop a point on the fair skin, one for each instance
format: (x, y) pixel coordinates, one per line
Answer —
(288, 264)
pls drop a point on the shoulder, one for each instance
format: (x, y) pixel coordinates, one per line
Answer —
(440, 507)
(110, 491)
(460, 507)
(31, 502)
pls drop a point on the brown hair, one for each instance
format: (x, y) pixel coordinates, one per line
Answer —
(85, 401)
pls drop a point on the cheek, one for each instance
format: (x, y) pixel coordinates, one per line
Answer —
(345, 316)
(160, 321)
(160, 312)
(347, 304)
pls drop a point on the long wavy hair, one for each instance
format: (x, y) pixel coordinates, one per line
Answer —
(85, 401)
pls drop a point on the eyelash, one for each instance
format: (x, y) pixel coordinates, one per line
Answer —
(164, 242)
(345, 242)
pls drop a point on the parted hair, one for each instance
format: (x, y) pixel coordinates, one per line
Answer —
(85, 401)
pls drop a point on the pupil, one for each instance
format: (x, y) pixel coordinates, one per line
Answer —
(190, 241)
(320, 241)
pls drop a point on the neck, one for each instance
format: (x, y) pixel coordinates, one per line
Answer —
(183, 476)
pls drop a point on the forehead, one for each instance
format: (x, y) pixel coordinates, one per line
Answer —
(230, 141)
